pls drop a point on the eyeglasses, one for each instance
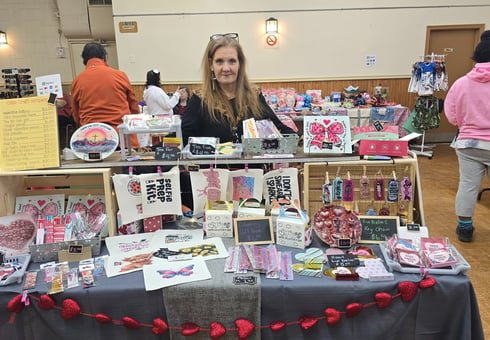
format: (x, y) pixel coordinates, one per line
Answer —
(224, 35)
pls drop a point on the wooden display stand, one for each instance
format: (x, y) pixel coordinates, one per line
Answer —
(314, 178)
(96, 181)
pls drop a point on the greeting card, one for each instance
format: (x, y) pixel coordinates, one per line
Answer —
(327, 134)
(125, 245)
(16, 233)
(117, 265)
(41, 206)
(178, 237)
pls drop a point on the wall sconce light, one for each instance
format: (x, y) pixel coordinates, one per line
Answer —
(271, 26)
(3, 38)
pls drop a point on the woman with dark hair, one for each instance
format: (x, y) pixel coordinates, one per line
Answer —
(226, 97)
(158, 102)
(184, 99)
(467, 106)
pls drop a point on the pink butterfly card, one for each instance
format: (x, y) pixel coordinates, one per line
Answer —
(41, 206)
(327, 134)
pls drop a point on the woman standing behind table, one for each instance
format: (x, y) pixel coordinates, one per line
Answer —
(157, 101)
(467, 106)
(185, 95)
(226, 97)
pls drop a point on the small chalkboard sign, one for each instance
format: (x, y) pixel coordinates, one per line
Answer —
(270, 143)
(202, 149)
(342, 260)
(378, 125)
(168, 153)
(376, 229)
(327, 145)
(253, 230)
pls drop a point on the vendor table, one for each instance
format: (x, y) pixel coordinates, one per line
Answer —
(448, 310)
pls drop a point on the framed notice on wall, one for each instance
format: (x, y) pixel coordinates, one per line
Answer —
(28, 134)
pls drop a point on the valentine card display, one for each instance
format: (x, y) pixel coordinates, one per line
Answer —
(281, 184)
(41, 206)
(208, 184)
(160, 193)
(327, 134)
(164, 273)
(91, 206)
(94, 141)
(337, 226)
(247, 183)
(16, 233)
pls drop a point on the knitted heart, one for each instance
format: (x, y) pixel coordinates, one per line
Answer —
(277, 325)
(46, 302)
(333, 316)
(427, 282)
(69, 309)
(15, 305)
(383, 300)
(17, 235)
(353, 309)
(245, 328)
(189, 328)
(217, 330)
(408, 290)
(159, 326)
(102, 318)
(307, 322)
(130, 323)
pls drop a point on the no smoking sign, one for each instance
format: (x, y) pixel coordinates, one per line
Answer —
(271, 40)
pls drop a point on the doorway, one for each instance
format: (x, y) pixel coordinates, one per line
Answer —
(457, 43)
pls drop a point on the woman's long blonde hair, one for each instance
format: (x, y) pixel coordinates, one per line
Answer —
(213, 97)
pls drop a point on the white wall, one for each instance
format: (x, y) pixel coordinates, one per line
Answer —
(318, 39)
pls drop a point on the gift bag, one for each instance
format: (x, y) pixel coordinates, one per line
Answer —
(128, 194)
(281, 184)
(160, 193)
(245, 183)
(209, 184)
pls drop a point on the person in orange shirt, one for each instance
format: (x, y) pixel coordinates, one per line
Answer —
(101, 94)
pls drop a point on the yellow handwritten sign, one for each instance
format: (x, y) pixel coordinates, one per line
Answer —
(28, 134)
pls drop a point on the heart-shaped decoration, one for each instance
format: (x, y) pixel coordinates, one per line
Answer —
(15, 305)
(245, 328)
(69, 309)
(306, 322)
(17, 234)
(312, 255)
(130, 323)
(41, 203)
(332, 316)
(216, 330)
(353, 309)
(102, 318)
(159, 326)
(46, 302)
(408, 290)
(427, 282)
(90, 202)
(383, 300)
(189, 328)
(302, 270)
(277, 325)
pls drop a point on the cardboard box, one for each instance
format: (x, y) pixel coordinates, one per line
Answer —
(398, 148)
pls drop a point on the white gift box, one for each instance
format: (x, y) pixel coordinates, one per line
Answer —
(250, 208)
(219, 219)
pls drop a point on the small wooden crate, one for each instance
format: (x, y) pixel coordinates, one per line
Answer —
(95, 181)
(314, 178)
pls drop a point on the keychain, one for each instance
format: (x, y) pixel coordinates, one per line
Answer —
(379, 188)
(364, 185)
(348, 189)
(393, 189)
(327, 190)
(406, 187)
(371, 211)
(385, 210)
(337, 187)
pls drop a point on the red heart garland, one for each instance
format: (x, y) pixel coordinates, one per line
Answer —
(245, 328)
(15, 305)
(159, 326)
(277, 325)
(408, 290)
(333, 316)
(130, 323)
(189, 328)
(70, 309)
(102, 318)
(307, 322)
(427, 282)
(46, 302)
(353, 309)
(383, 300)
(217, 330)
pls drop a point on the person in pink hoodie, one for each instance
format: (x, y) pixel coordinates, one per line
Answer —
(467, 106)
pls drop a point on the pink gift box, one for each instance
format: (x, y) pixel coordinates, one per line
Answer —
(383, 147)
(151, 224)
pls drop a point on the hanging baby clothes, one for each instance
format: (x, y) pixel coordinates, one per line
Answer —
(429, 75)
(427, 110)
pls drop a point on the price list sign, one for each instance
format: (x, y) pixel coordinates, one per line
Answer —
(28, 134)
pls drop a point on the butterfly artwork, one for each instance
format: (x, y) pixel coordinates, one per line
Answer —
(168, 274)
(91, 205)
(174, 273)
(327, 134)
(39, 207)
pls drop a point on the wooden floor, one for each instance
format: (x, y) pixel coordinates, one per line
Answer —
(439, 183)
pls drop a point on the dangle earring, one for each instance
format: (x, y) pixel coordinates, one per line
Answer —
(213, 79)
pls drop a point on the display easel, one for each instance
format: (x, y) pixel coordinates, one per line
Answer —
(422, 146)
